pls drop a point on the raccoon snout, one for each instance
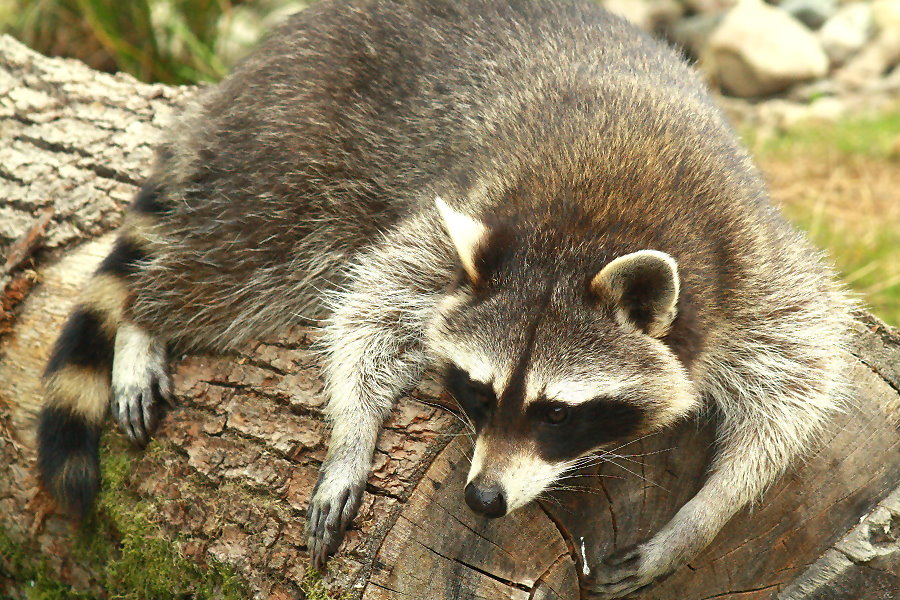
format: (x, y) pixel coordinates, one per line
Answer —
(486, 500)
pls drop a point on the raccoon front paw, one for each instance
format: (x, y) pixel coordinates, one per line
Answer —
(623, 573)
(335, 501)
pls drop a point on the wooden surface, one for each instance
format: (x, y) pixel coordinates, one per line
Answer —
(230, 474)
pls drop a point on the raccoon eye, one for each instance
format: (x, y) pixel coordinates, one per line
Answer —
(556, 415)
(483, 398)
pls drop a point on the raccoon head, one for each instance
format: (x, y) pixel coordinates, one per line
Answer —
(552, 357)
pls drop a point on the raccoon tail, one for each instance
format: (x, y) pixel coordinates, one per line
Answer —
(78, 377)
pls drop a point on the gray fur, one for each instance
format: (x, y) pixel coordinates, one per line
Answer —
(304, 186)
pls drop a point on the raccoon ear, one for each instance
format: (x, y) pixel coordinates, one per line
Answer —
(644, 285)
(467, 234)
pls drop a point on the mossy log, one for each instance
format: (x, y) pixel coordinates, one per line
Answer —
(215, 506)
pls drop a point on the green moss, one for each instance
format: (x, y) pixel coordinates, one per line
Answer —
(314, 588)
(20, 563)
(123, 547)
(144, 565)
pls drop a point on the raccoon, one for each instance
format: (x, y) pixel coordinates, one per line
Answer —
(533, 196)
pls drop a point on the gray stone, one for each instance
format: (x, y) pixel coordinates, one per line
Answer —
(812, 13)
(692, 34)
(708, 6)
(649, 15)
(881, 54)
(886, 14)
(759, 49)
(845, 33)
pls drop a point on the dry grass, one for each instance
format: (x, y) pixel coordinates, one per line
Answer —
(848, 199)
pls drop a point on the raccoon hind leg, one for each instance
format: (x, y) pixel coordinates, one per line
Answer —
(140, 376)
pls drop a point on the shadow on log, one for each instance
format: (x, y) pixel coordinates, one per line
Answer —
(227, 480)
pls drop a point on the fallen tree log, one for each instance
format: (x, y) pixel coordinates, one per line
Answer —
(215, 506)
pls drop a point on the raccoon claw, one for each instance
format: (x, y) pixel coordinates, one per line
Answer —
(620, 574)
(137, 410)
(331, 509)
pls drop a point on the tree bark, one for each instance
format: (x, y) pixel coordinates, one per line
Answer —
(227, 480)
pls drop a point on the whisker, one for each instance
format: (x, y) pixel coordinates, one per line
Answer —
(653, 452)
(639, 476)
(643, 437)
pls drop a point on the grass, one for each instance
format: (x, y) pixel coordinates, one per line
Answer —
(122, 546)
(841, 183)
(167, 41)
(871, 135)
(170, 41)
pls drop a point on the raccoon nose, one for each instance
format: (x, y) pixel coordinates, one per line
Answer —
(487, 501)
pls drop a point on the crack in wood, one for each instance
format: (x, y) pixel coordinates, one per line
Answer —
(741, 592)
(109, 173)
(5, 174)
(875, 370)
(383, 493)
(612, 513)
(470, 528)
(513, 584)
(52, 146)
(389, 589)
(567, 537)
(545, 575)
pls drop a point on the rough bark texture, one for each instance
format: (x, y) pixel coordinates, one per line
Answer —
(227, 480)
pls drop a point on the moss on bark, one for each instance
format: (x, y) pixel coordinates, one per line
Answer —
(121, 546)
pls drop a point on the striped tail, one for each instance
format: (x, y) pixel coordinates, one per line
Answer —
(77, 379)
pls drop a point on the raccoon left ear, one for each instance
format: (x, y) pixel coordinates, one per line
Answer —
(644, 285)
(467, 234)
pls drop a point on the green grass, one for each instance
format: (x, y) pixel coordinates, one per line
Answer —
(840, 183)
(867, 262)
(122, 546)
(170, 41)
(871, 135)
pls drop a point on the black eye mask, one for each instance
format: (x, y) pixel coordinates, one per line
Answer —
(586, 426)
(475, 398)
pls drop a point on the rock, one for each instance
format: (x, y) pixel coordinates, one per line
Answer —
(779, 115)
(886, 15)
(241, 28)
(845, 33)
(827, 109)
(812, 13)
(873, 61)
(692, 34)
(759, 49)
(708, 6)
(649, 15)
(820, 88)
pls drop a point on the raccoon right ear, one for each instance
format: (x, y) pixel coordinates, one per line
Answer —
(468, 235)
(644, 285)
